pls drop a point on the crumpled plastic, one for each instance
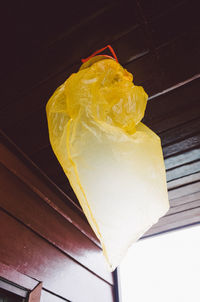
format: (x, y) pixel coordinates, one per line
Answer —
(114, 163)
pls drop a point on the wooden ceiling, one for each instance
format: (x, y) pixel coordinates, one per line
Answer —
(158, 41)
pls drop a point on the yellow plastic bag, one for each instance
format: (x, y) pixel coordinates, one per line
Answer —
(114, 163)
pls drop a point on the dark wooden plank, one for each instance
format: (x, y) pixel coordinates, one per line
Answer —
(180, 132)
(25, 205)
(183, 181)
(94, 34)
(175, 118)
(35, 257)
(38, 96)
(11, 274)
(155, 8)
(170, 66)
(25, 170)
(153, 85)
(127, 48)
(184, 207)
(166, 28)
(36, 132)
(184, 190)
(182, 146)
(101, 30)
(48, 162)
(163, 107)
(145, 72)
(174, 62)
(185, 199)
(31, 134)
(54, 172)
(182, 159)
(36, 127)
(32, 101)
(66, 187)
(36, 19)
(32, 211)
(178, 220)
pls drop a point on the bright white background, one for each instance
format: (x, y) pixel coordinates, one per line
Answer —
(164, 268)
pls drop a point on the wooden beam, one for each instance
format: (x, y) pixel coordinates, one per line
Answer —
(8, 272)
(35, 294)
(38, 182)
(33, 256)
(183, 181)
(18, 200)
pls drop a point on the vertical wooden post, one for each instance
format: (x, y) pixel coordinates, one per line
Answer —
(35, 294)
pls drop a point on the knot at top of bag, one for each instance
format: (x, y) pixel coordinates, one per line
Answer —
(105, 92)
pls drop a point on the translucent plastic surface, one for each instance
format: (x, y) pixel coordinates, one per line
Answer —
(114, 163)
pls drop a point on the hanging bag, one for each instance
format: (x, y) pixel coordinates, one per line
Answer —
(114, 163)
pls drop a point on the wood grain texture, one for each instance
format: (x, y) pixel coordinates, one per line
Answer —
(173, 108)
(18, 164)
(66, 50)
(180, 67)
(37, 202)
(40, 240)
(145, 72)
(126, 47)
(182, 146)
(193, 178)
(174, 118)
(25, 205)
(32, 101)
(185, 199)
(184, 207)
(39, 259)
(177, 220)
(183, 159)
(152, 9)
(9, 273)
(165, 32)
(179, 133)
(184, 190)
(184, 170)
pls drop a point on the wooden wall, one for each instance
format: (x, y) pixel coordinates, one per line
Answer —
(178, 125)
(44, 235)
